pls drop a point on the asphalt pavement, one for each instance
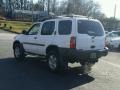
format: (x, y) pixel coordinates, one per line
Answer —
(33, 74)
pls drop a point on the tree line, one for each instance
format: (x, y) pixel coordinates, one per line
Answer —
(79, 7)
(61, 7)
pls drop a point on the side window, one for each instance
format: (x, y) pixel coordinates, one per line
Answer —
(65, 27)
(48, 28)
(34, 29)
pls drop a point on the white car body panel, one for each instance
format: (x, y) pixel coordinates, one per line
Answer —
(83, 41)
(63, 41)
(113, 42)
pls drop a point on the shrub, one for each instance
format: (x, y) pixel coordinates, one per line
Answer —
(5, 25)
(10, 27)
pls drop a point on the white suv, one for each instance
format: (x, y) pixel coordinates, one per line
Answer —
(63, 40)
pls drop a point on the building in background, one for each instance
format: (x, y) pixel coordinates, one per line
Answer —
(26, 15)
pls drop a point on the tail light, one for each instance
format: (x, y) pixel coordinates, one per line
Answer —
(73, 42)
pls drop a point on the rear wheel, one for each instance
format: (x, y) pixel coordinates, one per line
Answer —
(19, 52)
(55, 62)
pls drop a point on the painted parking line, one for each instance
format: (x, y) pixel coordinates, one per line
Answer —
(110, 63)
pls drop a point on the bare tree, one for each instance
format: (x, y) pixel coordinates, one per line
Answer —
(81, 7)
(53, 6)
(1, 3)
(1, 7)
(61, 9)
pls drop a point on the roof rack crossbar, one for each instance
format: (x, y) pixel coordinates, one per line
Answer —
(63, 16)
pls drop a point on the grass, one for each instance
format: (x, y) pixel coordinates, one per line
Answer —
(16, 26)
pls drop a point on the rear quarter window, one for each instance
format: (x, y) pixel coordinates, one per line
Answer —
(91, 28)
(65, 27)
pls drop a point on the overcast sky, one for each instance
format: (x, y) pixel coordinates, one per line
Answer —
(107, 7)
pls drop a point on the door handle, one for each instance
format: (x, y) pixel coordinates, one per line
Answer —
(35, 37)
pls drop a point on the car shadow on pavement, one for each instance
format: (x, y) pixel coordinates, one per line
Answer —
(114, 50)
(33, 74)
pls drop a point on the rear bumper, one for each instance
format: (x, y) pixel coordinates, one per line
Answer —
(83, 54)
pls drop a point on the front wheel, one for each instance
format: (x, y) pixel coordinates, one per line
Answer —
(19, 52)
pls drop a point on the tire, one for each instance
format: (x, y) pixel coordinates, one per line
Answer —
(19, 52)
(55, 62)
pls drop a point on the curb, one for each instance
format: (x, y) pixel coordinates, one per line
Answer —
(9, 30)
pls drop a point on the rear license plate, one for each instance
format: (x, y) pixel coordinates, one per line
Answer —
(93, 55)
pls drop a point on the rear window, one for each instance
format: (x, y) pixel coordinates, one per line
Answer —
(90, 27)
(65, 27)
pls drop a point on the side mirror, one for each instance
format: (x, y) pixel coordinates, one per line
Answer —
(24, 32)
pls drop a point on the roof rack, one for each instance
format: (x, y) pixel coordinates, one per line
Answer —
(73, 15)
(63, 16)
(46, 18)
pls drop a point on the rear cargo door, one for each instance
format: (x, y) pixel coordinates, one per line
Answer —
(91, 35)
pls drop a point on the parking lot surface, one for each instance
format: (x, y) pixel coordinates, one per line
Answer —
(33, 74)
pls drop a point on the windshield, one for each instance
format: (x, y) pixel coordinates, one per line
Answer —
(90, 27)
